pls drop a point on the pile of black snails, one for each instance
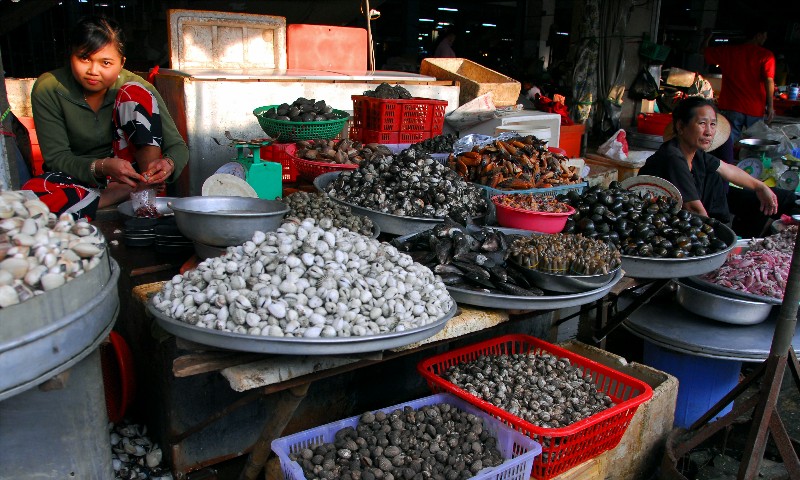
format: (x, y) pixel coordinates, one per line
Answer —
(302, 110)
(439, 442)
(409, 185)
(640, 225)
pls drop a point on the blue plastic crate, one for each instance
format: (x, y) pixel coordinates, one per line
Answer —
(518, 449)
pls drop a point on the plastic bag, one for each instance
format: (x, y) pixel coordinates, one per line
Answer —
(762, 131)
(477, 110)
(644, 87)
(465, 143)
(615, 147)
(143, 203)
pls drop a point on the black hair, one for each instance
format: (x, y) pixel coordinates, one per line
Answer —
(687, 108)
(92, 33)
(753, 28)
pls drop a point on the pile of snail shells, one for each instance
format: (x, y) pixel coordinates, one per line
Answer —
(565, 253)
(327, 212)
(340, 151)
(409, 185)
(438, 441)
(305, 281)
(542, 389)
(39, 251)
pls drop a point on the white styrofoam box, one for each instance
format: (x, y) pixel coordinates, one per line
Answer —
(542, 133)
(531, 118)
(200, 39)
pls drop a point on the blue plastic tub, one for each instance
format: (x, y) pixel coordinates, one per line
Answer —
(702, 381)
(518, 449)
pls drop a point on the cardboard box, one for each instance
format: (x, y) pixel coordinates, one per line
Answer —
(475, 80)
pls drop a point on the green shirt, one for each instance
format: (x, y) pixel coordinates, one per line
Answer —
(71, 135)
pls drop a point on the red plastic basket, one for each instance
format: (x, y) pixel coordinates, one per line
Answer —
(392, 138)
(119, 383)
(310, 169)
(282, 152)
(397, 115)
(566, 447)
(653, 123)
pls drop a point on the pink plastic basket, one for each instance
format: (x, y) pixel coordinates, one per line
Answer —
(544, 222)
(518, 449)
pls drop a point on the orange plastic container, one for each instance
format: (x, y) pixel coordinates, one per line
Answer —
(325, 47)
(570, 139)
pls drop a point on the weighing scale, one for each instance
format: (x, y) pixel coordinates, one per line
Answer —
(790, 179)
(264, 176)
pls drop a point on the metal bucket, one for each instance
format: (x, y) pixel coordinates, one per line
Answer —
(58, 433)
(49, 333)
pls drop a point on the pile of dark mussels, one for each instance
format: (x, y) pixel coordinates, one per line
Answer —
(640, 225)
(469, 257)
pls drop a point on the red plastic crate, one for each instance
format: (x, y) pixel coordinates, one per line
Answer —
(389, 138)
(396, 115)
(310, 169)
(566, 447)
(282, 152)
(653, 123)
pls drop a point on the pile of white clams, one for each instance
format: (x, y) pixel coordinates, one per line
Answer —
(39, 252)
(305, 281)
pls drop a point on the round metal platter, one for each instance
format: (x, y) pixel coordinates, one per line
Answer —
(730, 292)
(298, 346)
(544, 302)
(657, 186)
(388, 223)
(651, 267)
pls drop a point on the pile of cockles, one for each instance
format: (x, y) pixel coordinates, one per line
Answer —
(134, 456)
(39, 251)
(305, 281)
(320, 207)
(437, 441)
(409, 185)
(542, 389)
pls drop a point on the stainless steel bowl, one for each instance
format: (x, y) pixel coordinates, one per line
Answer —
(226, 221)
(563, 283)
(204, 251)
(721, 308)
(759, 144)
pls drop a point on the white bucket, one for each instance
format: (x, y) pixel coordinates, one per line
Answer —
(524, 130)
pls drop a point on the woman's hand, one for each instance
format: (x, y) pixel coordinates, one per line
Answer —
(159, 171)
(768, 199)
(119, 170)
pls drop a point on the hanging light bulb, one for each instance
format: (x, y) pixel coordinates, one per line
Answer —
(374, 14)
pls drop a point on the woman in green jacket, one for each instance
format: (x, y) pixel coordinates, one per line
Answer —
(104, 132)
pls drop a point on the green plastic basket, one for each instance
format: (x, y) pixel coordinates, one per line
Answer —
(286, 131)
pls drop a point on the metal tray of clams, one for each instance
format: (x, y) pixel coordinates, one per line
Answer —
(651, 267)
(298, 346)
(544, 302)
(387, 222)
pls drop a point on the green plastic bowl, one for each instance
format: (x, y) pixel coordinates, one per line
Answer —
(286, 131)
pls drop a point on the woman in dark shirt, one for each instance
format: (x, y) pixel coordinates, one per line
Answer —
(701, 177)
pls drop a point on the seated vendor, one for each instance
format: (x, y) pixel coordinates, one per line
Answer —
(104, 132)
(701, 177)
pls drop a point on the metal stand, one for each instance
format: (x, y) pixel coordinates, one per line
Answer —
(765, 419)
